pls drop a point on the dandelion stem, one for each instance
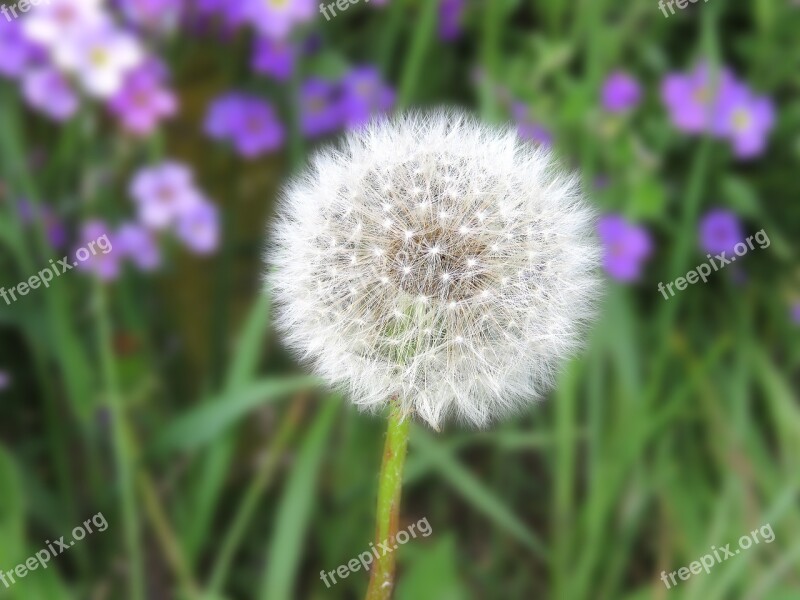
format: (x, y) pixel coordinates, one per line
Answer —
(390, 484)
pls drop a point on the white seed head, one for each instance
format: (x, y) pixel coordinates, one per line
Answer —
(463, 275)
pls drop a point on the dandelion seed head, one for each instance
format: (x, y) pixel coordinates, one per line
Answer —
(464, 273)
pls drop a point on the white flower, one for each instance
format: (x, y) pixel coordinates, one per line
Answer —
(52, 23)
(101, 58)
(438, 261)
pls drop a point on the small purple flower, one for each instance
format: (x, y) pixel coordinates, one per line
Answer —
(692, 99)
(220, 121)
(795, 312)
(451, 15)
(18, 54)
(621, 92)
(139, 245)
(55, 24)
(746, 120)
(275, 58)
(96, 253)
(720, 231)
(258, 129)
(232, 14)
(5, 380)
(144, 100)
(364, 95)
(320, 112)
(163, 193)
(276, 18)
(247, 121)
(46, 90)
(54, 227)
(198, 228)
(626, 247)
(528, 129)
(155, 15)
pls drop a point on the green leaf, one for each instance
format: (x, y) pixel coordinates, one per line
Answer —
(295, 509)
(204, 423)
(474, 491)
(431, 572)
(11, 510)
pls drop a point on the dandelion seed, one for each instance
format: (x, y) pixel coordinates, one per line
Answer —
(504, 345)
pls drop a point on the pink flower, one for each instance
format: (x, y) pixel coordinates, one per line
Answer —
(143, 100)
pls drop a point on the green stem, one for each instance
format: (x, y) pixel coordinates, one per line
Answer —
(123, 455)
(381, 582)
(249, 504)
(421, 43)
(166, 536)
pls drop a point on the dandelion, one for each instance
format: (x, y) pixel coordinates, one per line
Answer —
(380, 238)
(436, 265)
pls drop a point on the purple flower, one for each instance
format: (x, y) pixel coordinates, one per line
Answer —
(45, 89)
(795, 312)
(692, 99)
(275, 58)
(143, 100)
(451, 14)
(620, 93)
(320, 112)
(746, 120)
(276, 18)
(626, 247)
(233, 14)
(139, 245)
(96, 253)
(720, 231)
(247, 121)
(5, 380)
(163, 193)
(529, 129)
(258, 129)
(364, 95)
(198, 228)
(18, 54)
(220, 120)
(54, 227)
(156, 15)
(56, 24)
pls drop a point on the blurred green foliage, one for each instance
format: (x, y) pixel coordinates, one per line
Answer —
(678, 429)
